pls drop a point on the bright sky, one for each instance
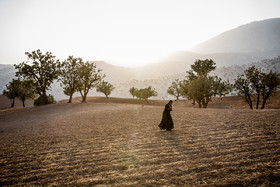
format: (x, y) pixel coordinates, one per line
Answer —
(122, 32)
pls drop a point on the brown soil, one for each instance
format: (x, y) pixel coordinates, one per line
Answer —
(119, 144)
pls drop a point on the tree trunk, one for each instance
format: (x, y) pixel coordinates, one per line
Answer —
(70, 98)
(193, 102)
(203, 103)
(249, 101)
(85, 94)
(250, 104)
(13, 103)
(258, 100)
(45, 98)
(265, 97)
(199, 104)
(264, 101)
(206, 103)
(23, 102)
(84, 98)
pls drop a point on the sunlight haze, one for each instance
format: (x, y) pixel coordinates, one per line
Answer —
(122, 32)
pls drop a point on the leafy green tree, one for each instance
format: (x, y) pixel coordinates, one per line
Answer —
(175, 89)
(270, 84)
(242, 86)
(201, 68)
(184, 90)
(145, 93)
(105, 87)
(201, 90)
(254, 76)
(221, 88)
(132, 91)
(70, 76)
(89, 77)
(12, 91)
(26, 90)
(200, 86)
(254, 81)
(43, 70)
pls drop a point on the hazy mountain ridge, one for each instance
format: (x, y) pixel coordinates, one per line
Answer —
(231, 72)
(261, 37)
(176, 63)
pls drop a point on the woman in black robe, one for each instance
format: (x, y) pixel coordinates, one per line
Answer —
(166, 121)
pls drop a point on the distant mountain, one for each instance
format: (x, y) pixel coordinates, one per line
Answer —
(256, 38)
(231, 72)
(225, 72)
(248, 43)
(181, 61)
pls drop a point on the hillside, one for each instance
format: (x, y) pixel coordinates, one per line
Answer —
(256, 38)
(105, 144)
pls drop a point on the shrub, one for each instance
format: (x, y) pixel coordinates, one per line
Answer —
(41, 100)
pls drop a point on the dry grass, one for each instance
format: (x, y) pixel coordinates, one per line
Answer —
(108, 144)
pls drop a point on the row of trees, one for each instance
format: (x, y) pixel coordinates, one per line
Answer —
(200, 87)
(35, 77)
(255, 83)
(22, 90)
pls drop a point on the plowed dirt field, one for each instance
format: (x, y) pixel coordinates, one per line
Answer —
(107, 144)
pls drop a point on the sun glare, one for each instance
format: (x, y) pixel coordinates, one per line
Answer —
(125, 33)
(136, 55)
